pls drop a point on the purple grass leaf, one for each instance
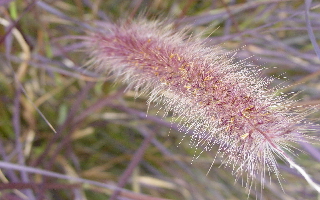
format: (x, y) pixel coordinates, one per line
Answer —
(4, 2)
(309, 28)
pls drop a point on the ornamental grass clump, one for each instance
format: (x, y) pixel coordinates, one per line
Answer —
(222, 102)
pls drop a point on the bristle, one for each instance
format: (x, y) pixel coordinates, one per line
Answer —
(223, 102)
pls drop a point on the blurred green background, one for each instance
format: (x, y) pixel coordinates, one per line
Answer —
(102, 128)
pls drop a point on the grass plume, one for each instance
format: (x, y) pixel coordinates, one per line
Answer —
(223, 102)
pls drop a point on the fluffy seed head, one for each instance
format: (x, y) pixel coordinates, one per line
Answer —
(224, 103)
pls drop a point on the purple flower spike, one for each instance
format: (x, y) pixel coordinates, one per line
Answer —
(222, 102)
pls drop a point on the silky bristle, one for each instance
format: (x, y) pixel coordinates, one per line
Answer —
(223, 102)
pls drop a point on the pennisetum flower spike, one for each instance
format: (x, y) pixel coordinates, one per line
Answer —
(224, 103)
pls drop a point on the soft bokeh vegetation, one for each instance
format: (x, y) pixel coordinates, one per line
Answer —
(103, 130)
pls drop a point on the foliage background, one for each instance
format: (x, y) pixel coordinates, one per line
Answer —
(103, 130)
